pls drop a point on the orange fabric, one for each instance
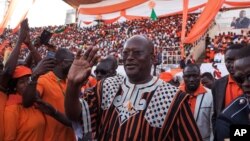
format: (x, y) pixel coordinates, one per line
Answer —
(232, 91)
(207, 16)
(3, 99)
(22, 18)
(8, 15)
(52, 90)
(22, 124)
(87, 23)
(123, 13)
(193, 97)
(175, 71)
(166, 76)
(211, 54)
(110, 8)
(21, 71)
(184, 20)
(110, 21)
(132, 17)
(91, 83)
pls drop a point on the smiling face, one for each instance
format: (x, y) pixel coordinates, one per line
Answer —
(191, 76)
(242, 73)
(138, 58)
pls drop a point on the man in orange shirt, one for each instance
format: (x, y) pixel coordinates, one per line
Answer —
(51, 88)
(226, 89)
(200, 100)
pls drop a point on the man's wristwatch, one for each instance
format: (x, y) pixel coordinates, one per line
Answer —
(32, 80)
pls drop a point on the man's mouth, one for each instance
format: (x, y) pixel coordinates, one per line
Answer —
(131, 66)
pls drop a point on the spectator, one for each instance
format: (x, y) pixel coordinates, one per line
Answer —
(207, 80)
(237, 112)
(200, 100)
(51, 88)
(225, 90)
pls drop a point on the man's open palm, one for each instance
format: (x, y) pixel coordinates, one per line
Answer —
(81, 67)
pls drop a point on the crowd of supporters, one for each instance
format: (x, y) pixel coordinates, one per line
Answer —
(165, 33)
(49, 97)
(216, 47)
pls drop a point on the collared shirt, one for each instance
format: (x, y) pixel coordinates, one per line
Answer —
(193, 97)
(52, 90)
(232, 91)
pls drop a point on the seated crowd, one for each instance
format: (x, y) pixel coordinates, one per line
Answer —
(215, 48)
(109, 38)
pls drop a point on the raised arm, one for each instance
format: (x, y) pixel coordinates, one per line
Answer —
(13, 58)
(33, 54)
(78, 74)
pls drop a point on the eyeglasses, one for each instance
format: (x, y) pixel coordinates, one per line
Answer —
(241, 78)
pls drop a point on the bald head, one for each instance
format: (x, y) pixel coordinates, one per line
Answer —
(142, 41)
(138, 57)
(106, 67)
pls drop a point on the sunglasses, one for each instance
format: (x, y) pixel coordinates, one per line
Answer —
(102, 72)
(241, 78)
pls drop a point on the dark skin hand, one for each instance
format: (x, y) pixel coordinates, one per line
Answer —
(12, 61)
(30, 95)
(44, 66)
(34, 54)
(78, 74)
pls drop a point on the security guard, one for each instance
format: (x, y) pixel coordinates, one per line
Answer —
(238, 111)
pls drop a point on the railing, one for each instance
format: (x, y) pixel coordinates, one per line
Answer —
(171, 56)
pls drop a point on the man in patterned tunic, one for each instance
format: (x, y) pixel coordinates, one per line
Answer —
(136, 107)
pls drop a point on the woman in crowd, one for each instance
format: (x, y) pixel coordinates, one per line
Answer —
(22, 124)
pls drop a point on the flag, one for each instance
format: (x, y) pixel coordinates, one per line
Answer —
(153, 15)
(60, 29)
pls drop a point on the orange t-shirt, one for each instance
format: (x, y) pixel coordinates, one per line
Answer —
(22, 124)
(52, 90)
(192, 98)
(232, 91)
(3, 99)
(166, 76)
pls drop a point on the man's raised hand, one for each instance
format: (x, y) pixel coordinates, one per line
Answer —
(81, 67)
